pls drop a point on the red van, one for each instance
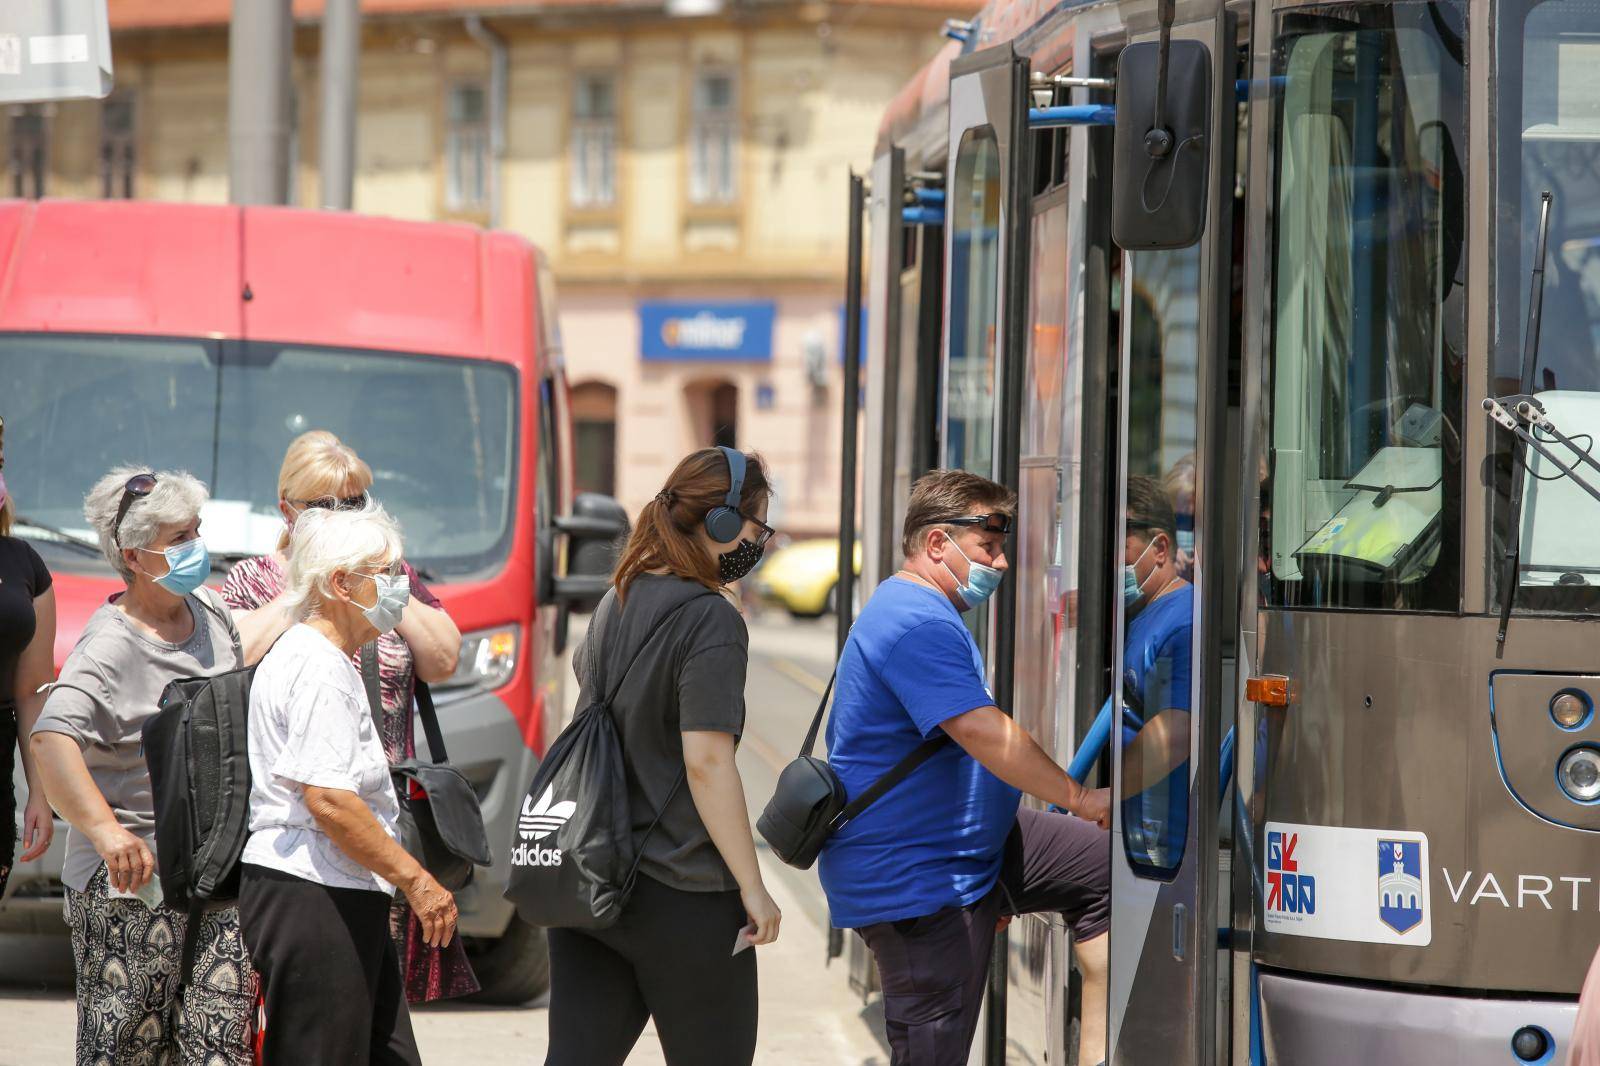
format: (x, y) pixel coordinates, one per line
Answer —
(206, 338)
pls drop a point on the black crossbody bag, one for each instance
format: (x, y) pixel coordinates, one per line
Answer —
(810, 803)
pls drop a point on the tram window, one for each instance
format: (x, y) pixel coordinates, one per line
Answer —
(1367, 356)
(1549, 140)
(974, 212)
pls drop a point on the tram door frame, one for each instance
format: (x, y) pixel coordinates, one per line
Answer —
(1164, 985)
(989, 94)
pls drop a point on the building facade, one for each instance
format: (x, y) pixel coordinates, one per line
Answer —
(683, 164)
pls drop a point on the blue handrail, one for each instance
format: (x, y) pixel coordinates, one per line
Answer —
(1072, 115)
(928, 197)
(1099, 735)
(922, 216)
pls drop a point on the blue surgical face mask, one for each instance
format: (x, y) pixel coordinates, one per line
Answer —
(1186, 534)
(981, 580)
(1132, 591)
(188, 566)
(394, 592)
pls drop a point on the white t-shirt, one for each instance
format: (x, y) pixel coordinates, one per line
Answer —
(310, 725)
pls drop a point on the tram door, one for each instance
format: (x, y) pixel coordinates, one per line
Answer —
(988, 182)
(1167, 666)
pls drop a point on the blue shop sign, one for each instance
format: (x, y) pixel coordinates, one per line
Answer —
(733, 330)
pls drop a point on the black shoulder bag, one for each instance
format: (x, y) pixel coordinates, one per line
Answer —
(810, 804)
(440, 823)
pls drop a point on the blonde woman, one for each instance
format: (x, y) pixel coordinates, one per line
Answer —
(322, 473)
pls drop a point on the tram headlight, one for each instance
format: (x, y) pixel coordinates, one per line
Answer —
(1569, 709)
(1579, 774)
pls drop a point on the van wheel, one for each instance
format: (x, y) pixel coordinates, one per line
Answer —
(513, 969)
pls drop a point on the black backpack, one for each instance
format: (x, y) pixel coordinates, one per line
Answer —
(197, 749)
(573, 861)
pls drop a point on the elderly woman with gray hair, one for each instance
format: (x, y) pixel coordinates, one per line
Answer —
(125, 939)
(323, 859)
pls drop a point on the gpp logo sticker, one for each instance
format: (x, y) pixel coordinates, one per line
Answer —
(1289, 889)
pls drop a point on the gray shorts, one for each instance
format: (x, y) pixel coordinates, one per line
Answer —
(934, 967)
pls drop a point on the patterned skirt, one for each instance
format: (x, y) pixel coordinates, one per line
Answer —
(131, 1010)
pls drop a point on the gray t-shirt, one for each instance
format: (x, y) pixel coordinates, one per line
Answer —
(109, 687)
(689, 678)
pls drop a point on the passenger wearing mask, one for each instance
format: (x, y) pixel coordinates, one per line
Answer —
(320, 472)
(1155, 677)
(928, 873)
(322, 858)
(680, 711)
(27, 662)
(125, 938)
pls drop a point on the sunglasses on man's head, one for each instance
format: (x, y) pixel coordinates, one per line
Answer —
(990, 523)
(138, 487)
(333, 503)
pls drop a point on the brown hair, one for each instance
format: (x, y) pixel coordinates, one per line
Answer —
(1150, 509)
(664, 536)
(946, 494)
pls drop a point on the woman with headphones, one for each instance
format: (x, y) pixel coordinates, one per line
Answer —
(670, 639)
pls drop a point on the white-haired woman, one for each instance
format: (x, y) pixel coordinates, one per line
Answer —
(125, 939)
(322, 857)
(320, 473)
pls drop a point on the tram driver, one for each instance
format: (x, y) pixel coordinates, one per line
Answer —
(942, 860)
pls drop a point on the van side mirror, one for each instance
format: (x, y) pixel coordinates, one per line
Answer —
(594, 530)
(1162, 149)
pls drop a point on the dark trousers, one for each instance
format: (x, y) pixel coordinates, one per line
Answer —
(669, 957)
(933, 967)
(329, 973)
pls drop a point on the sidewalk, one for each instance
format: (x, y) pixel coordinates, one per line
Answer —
(809, 1016)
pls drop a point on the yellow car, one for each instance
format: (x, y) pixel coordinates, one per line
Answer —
(802, 576)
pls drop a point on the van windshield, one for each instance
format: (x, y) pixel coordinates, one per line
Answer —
(439, 433)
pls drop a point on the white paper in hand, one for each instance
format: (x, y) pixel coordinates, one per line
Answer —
(149, 894)
(741, 940)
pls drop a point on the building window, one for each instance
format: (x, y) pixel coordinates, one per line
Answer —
(29, 152)
(713, 408)
(713, 139)
(117, 159)
(594, 430)
(594, 141)
(467, 149)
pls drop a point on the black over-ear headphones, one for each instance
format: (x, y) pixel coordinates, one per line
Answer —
(724, 522)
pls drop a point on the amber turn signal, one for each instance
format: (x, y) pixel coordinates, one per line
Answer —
(1270, 691)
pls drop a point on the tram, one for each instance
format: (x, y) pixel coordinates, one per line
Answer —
(1328, 275)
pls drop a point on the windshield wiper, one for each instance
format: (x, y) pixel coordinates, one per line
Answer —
(1524, 417)
(71, 540)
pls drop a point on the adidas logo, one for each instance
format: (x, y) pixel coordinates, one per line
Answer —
(538, 822)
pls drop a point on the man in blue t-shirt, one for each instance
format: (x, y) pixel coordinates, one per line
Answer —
(930, 871)
(1155, 682)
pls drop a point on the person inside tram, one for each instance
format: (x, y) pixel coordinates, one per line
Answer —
(1155, 677)
(930, 871)
(1179, 483)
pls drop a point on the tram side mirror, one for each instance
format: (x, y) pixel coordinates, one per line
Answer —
(594, 530)
(1161, 149)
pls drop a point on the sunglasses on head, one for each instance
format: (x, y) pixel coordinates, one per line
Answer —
(989, 523)
(333, 503)
(138, 487)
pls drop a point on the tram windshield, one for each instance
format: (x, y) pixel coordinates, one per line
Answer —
(1361, 500)
(1549, 141)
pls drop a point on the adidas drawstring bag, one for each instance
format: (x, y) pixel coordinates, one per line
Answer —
(573, 861)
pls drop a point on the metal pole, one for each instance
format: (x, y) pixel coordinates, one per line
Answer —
(341, 66)
(260, 44)
(499, 104)
(845, 599)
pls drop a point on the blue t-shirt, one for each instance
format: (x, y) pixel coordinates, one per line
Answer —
(1155, 674)
(936, 839)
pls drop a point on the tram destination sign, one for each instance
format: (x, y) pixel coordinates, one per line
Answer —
(54, 50)
(1335, 883)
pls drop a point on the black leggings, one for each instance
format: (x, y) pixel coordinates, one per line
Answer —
(329, 972)
(669, 957)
